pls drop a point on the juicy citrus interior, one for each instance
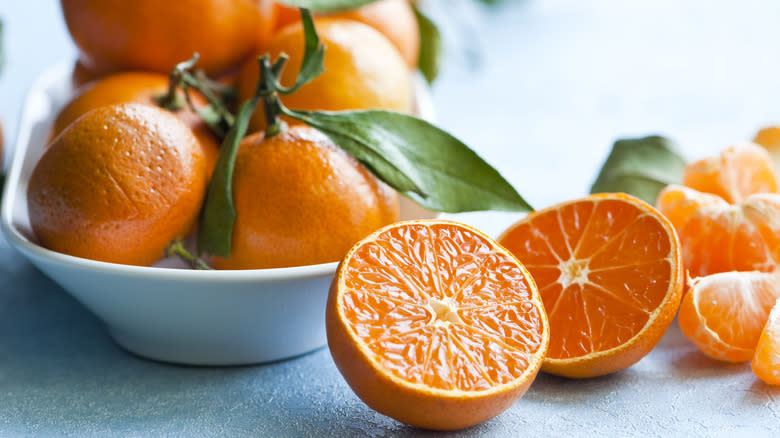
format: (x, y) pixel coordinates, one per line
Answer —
(727, 214)
(766, 360)
(449, 313)
(604, 265)
(737, 172)
(723, 314)
(435, 324)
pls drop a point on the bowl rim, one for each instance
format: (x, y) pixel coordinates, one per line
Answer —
(54, 76)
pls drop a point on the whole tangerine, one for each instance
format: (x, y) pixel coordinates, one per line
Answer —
(301, 200)
(395, 19)
(362, 71)
(136, 87)
(118, 185)
(152, 35)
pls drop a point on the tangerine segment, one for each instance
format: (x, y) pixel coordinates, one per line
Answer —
(737, 172)
(723, 314)
(719, 237)
(609, 271)
(766, 360)
(679, 203)
(435, 324)
(742, 237)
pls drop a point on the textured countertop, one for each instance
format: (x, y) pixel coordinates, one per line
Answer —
(538, 88)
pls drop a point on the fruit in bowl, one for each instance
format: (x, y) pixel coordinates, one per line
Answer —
(231, 316)
(300, 200)
(149, 35)
(363, 70)
(118, 185)
(138, 87)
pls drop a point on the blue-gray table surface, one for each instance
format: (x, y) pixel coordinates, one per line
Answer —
(540, 89)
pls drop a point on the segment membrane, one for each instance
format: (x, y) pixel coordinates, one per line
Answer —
(394, 282)
(624, 259)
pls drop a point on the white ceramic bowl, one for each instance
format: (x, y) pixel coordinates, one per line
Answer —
(174, 315)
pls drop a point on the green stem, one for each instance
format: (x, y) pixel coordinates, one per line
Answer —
(177, 249)
(171, 100)
(272, 106)
(215, 114)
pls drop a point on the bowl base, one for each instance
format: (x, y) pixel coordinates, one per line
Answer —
(176, 353)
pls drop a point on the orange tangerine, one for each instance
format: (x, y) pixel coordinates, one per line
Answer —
(362, 71)
(435, 324)
(609, 270)
(301, 200)
(118, 185)
(723, 313)
(727, 214)
(766, 360)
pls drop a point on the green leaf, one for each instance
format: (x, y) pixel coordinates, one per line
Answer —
(641, 167)
(431, 47)
(218, 214)
(313, 63)
(327, 5)
(418, 159)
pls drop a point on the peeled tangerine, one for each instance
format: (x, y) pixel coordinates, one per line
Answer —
(435, 324)
(727, 212)
(766, 361)
(723, 314)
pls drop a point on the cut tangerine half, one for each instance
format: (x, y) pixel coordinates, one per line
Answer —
(608, 268)
(723, 314)
(435, 324)
(766, 360)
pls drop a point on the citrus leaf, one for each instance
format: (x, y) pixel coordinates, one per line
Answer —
(641, 167)
(327, 5)
(218, 214)
(419, 160)
(430, 57)
(313, 63)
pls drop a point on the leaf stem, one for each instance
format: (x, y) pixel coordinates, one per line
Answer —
(216, 114)
(171, 100)
(177, 249)
(267, 91)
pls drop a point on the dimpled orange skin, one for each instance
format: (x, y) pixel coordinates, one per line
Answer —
(363, 70)
(300, 200)
(118, 185)
(153, 35)
(395, 19)
(136, 87)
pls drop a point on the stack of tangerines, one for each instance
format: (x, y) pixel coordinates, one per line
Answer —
(125, 174)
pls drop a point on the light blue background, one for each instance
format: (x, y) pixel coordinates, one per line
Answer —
(540, 89)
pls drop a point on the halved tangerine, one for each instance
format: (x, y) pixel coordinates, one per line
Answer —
(609, 270)
(435, 324)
